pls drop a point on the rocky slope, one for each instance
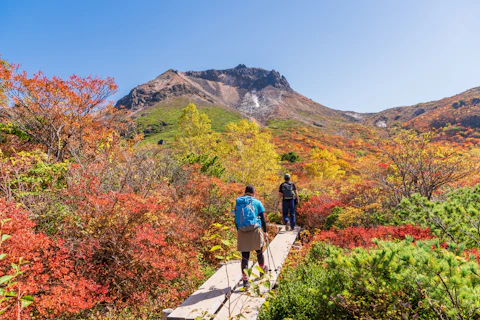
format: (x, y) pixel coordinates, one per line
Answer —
(460, 110)
(253, 92)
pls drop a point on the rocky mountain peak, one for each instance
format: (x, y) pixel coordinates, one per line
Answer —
(243, 77)
(253, 92)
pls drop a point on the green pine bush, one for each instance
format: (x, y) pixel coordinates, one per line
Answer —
(395, 280)
(457, 219)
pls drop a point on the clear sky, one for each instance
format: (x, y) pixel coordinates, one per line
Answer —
(364, 56)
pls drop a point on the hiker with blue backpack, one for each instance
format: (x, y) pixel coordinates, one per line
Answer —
(287, 193)
(250, 222)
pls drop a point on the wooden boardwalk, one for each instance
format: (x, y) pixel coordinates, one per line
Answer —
(210, 300)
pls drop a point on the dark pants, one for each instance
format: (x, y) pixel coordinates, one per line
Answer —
(288, 206)
(246, 256)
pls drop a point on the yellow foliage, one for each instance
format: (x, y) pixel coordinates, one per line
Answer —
(196, 134)
(475, 152)
(248, 155)
(324, 164)
(350, 216)
(416, 165)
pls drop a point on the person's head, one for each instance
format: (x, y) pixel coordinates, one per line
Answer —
(250, 190)
(287, 177)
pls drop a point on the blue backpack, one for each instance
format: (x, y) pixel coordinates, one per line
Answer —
(246, 215)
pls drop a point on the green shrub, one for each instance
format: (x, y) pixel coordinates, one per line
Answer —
(9, 128)
(275, 217)
(304, 293)
(290, 157)
(210, 164)
(459, 104)
(396, 280)
(456, 219)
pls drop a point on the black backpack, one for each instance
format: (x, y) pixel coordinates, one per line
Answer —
(287, 190)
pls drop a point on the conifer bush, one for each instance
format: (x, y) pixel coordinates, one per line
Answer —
(394, 280)
(290, 157)
(456, 219)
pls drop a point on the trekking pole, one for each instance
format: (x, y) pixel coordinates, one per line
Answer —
(268, 257)
(271, 255)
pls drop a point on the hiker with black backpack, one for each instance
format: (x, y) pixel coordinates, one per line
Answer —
(250, 221)
(287, 193)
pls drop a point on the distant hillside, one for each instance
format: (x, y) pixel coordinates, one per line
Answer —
(266, 96)
(459, 112)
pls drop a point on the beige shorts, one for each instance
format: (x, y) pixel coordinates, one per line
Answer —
(250, 240)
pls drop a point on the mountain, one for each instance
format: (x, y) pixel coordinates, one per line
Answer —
(252, 92)
(264, 95)
(458, 112)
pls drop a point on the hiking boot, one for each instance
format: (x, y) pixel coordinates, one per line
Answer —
(287, 226)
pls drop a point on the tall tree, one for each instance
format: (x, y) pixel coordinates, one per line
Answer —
(413, 164)
(195, 131)
(69, 117)
(5, 73)
(248, 154)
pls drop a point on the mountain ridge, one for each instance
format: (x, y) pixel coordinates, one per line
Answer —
(420, 114)
(253, 92)
(265, 95)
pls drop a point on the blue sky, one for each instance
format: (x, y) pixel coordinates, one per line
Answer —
(364, 56)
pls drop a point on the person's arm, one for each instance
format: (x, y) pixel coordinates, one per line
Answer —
(232, 212)
(262, 219)
(280, 193)
(261, 214)
(296, 193)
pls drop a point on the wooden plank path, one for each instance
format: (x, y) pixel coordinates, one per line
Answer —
(209, 298)
(246, 305)
(211, 295)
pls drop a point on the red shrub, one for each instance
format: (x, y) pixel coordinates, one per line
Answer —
(138, 245)
(362, 237)
(474, 252)
(50, 275)
(313, 213)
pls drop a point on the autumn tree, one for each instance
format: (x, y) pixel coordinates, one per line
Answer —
(68, 117)
(195, 131)
(248, 154)
(5, 73)
(413, 164)
(324, 164)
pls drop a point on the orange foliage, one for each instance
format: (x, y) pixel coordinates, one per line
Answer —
(67, 117)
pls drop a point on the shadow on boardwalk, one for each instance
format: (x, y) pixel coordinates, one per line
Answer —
(210, 300)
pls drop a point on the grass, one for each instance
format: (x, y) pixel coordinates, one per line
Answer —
(170, 113)
(281, 125)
